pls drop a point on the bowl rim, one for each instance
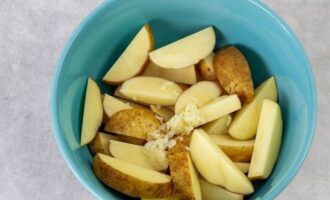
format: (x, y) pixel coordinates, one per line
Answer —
(54, 85)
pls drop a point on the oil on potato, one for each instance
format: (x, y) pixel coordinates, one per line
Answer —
(135, 122)
(233, 73)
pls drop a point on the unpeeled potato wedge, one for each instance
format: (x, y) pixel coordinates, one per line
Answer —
(268, 141)
(236, 150)
(215, 166)
(186, 51)
(243, 166)
(100, 143)
(233, 73)
(151, 90)
(183, 172)
(93, 112)
(133, 60)
(130, 179)
(186, 75)
(199, 94)
(206, 69)
(135, 122)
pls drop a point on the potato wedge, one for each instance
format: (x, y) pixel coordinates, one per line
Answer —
(183, 172)
(93, 113)
(215, 166)
(245, 123)
(186, 51)
(236, 150)
(164, 112)
(130, 153)
(111, 105)
(206, 69)
(243, 166)
(219, 126)
(213, 192)
(100, 144)
(131, 140)
(199, 94)
(151, 90)
(133, 60)
(174, 197)
(186, 75)
(135, 122)
(131, 179)
(233, 73)
(268, 141)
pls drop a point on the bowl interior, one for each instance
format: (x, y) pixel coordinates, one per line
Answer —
(270, 48)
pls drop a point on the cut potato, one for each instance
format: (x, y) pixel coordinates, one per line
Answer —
(205, 68)
(93, 113)
(131, 153)
(214, 165)
(186, 75)
(268, 141)
(219, 107)
(219, 126)
(100, 143)
(186, 51)
(135, 122)
(131, 140)
(236, 150)
(133, 60)
(151, 90)
(174, 197)
(245, 122)
(184, 175)
(164, 112)
(233, 73)
(213, 192)
(131, 179)
(111, 105)
(199, 94)
(243, 166)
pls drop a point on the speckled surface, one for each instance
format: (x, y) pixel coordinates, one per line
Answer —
(32, 34)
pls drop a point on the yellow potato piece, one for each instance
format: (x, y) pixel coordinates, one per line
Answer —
(213, 192)
(233, 73)
(100, 143)
(206, 69)
(131, 179)
(133, 60)
(111, 105)
(219, 126)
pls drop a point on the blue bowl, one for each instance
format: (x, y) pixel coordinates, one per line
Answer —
(269, 45)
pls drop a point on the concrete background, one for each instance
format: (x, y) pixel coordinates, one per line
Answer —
(32, 34)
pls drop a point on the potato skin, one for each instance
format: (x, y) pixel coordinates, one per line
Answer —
(128, 185)
(135, 122)
(96, 145)
(233, 73)
(206, 72)
(179, 169)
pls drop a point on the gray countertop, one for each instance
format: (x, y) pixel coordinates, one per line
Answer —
(32, 34)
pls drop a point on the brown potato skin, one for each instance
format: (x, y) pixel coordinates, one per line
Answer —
(233, 73)
(179, 168)
(238, 154)
(205, 72)
(127, 185)
(131, 140)
(96, 146)
(135, 122)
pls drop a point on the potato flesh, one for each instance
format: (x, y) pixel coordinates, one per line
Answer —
(164, 112)
(93, 112)
(219, 126)
(243, 166)
(245, 123)
(186, 75)
(186, 51)
(213, 164)
(111, 105)
(151, 90)
(133, 59)
(268, 141)
(131, 153)
(206, 69)
(199, 94)
(100, 144)
(213, 192)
